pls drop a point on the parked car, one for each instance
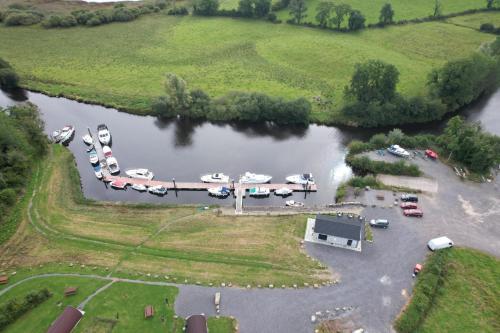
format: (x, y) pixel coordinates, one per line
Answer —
(379, 223)
(409, 197)
(440, 243)
(408, 205)
(431, 154)
(413, 212)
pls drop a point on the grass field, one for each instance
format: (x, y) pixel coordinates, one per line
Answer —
(180, 242)
(475, 21)
(469, 299)
(117, 309)
(403, 9)
(123, 65)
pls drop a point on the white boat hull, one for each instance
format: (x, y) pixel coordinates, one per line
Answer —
(251, 178)
(299, 179)
(139, 187)
(220, 179)
(146, 174)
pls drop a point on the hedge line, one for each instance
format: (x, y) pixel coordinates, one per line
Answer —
(364, 165)
(12, 310)
(429, 282)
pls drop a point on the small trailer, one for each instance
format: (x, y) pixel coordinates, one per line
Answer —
(217, 302)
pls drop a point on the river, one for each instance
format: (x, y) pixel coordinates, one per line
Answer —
(184, 150)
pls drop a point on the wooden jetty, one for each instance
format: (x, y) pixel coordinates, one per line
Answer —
(193, 186)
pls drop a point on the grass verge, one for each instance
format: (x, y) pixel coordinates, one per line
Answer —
(457, 291)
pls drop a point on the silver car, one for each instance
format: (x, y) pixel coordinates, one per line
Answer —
(379, 223)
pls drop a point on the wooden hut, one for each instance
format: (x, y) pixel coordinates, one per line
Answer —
(70, 291)
(4, 279)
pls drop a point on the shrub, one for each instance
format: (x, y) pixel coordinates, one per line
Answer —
(362, 182)
(205, 7)
(123, 14)
(16, 18)
(93, 21)
(162, 4)
(272, 17)
(364, 165)
(8, 78)
(13, 310)
(178, 11)
(8, 196)
(487, 27)
(60, 22)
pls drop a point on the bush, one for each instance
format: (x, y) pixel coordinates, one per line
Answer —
(93, 21)
(60, 22)
(205, 7)
(364, 165)
(362, 182)
(178, 11)
(8, 78)
(13, 310)
(16, 18)
(487, 27)
(8, 197)
(123, 14)
(162, 4)
(272, 17)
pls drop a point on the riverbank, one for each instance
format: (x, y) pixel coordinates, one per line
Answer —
(249, 56)
(183, 243)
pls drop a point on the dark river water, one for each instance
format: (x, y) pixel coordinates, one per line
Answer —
(185, 150)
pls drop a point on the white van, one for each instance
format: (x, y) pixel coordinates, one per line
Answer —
(440, 243)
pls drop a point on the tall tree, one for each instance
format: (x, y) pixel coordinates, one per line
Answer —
(438, 8)
(356, 20)
(262, 7)
(373, 81)
(245, 7)
(298, 10)
(323, 13)
(340, 11)
(386, 14)
(177, 92)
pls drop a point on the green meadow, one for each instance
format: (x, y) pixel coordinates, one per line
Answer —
(123, 65)
(119, 308)
(403, 9)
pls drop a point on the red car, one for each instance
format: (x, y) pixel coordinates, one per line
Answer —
(431, 154)
(413, 212)
(409, 205)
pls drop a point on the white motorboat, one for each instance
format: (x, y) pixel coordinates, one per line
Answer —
(107, 151)
(103, 134)
(252, 178)
(140, 174)
(139, 187)
(56, 135)
(398, 151)
(215, 178)
(284, 192)
(302, 179)
(221, 191)
(66, 134)
(158, 190)
(259, 192)
(113, 165)
(98, 171)
(118, 184)
(293, 203)
(93, 158)
(87, 139)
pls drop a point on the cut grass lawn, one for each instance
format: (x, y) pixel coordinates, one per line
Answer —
(469, 298)
(119, 308)
(180, 242)
(403, 9)
(475, 21)
(123, 65)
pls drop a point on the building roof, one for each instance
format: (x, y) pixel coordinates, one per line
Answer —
(341, 225)
(196, 324)
(66, 321)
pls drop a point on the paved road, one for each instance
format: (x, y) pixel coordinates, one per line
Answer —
(376, 281)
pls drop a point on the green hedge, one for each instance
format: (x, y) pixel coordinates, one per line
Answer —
(13, 309)
(364, 165)
(427, 287)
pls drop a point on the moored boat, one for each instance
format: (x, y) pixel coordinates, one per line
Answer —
(103, 134)
(293, 203)
(259, 192)
(113, 165)
(215, 178)
(139, 187)
(252, 178)
(221, 191)
(140, 174)
(302, 179)
(107, 151)
(158, 190)
(283, 192)
(66, 134)
(398, 151)
(118, 184)
(87, 139)
(98, 171)
(93, 158)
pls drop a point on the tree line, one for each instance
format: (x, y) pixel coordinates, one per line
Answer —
(179, 100)
(372, 99)
(22, 144)
(14, 309)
